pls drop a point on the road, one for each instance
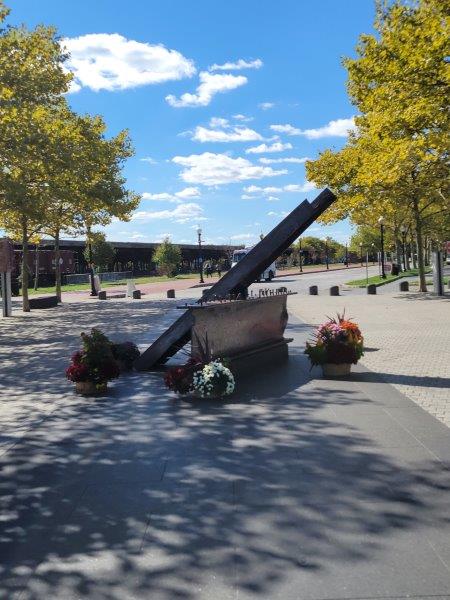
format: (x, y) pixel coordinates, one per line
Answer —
(324, 280)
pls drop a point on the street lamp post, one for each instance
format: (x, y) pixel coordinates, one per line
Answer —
(373, 252)
(300, 256)
(200, 259)
(326, 253)
(91, 263)
(381, 223)
(346, 254)
(403, 232)
(361, 252)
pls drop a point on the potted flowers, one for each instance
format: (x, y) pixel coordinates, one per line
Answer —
(204, 380)
(337, 345)
(94, 365)
(125, 354)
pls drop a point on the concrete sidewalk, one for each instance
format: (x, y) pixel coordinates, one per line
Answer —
(299, 488)
(407, 336)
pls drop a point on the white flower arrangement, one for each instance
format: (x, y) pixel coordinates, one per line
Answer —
(215, 379)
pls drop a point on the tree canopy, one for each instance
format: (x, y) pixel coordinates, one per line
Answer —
(396, 162)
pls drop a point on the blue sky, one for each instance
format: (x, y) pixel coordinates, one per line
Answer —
(223, 101)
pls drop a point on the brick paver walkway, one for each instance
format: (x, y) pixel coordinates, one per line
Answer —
(408, 340)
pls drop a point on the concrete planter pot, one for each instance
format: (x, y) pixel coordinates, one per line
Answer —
(334, 370)
(89, 388)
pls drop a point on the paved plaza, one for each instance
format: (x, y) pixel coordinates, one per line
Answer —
(298, 488)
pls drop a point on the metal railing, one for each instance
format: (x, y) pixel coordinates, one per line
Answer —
(78, 278)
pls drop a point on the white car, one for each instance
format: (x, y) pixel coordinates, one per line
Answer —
(267, 275)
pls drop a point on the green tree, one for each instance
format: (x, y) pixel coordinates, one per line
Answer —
(396, 163)
(32, 81)
(167, 257)
(103, 252)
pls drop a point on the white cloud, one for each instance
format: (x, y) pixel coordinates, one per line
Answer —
(238, 65)
(247, 197)
(243, 237)
(305, 187)
(283, 213)
(108, 61)
(181, 214)
(266, 105)
(216, 169)
(221, 131)
(189, 192)
(273, 199)
(274, 161)
(289, 129)
(275, 147)
(210, 85)
(269, 190)
(184, 194)
(149, 160)
(337, 128)
(243, 118)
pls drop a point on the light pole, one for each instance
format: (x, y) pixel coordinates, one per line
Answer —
(346, 254)
(403, 232)
(360, 252)
(300, 256)
(91, 264)
(381, 223)
(326, 252)
(200, 259)
(373, 252)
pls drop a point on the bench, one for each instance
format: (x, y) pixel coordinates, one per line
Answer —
(44, 302)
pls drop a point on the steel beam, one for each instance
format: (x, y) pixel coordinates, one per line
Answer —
(240, 276)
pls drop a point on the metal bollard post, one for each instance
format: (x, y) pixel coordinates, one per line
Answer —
(404, 286)
(171, 293)
(101, 295)
(313, 290)
(334, 290)
(136, 294)
(372, 289)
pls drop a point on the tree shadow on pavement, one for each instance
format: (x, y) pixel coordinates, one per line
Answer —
(142, 495)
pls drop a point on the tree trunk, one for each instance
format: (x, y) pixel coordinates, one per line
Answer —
(420, 254)
(57, 267)
(25, 299)
(398, 250)
(36, 268)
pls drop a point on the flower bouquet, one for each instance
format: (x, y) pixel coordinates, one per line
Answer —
(125, 354)
(94, 365)
(337, 345)
(204, 380)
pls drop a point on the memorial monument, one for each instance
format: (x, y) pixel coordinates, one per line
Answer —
(232, 292)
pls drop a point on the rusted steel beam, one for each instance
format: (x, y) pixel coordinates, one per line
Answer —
(240, 276)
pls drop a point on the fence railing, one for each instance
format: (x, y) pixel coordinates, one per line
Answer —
(84, 277)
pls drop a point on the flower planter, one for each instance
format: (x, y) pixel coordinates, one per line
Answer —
(89, 388)
(335, 370)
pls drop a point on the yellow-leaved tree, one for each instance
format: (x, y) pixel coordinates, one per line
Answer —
(396, 162)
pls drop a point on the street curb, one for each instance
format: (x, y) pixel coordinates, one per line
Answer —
(283, 274)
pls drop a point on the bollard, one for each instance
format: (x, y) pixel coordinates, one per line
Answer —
(313, 290)
(372, 289)
(171, 293)
(136, 294)
(102, 295)
(404, 286)
(334, 290)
